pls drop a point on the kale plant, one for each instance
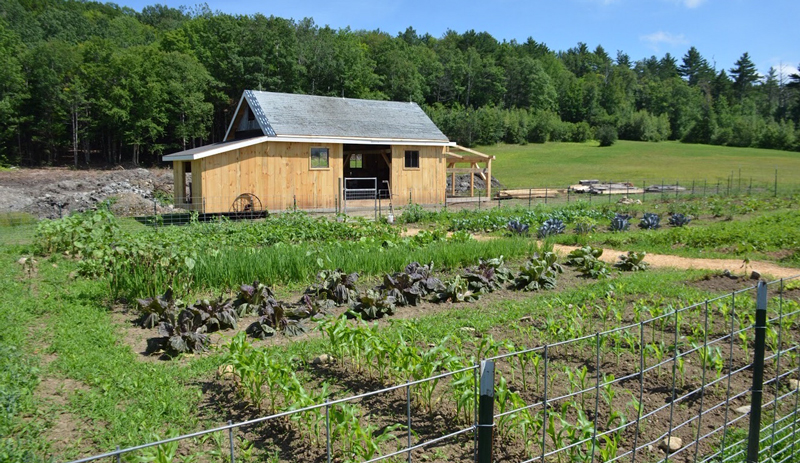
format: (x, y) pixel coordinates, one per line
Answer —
(679, 220)
(550, 227)
(650, 221)
(517, 228)
(620, 222)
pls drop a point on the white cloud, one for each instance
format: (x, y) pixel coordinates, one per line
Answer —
(664, 38)
(689, 3)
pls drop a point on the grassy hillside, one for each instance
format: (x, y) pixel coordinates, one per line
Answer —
(560, 164)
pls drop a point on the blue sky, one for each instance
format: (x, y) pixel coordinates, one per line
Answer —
(720, 29)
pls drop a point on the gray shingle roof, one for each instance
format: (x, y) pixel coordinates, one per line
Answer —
(286, 114)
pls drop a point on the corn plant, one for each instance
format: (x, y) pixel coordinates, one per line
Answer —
(462, 386)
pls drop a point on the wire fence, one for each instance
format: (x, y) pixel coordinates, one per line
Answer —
(712, 381)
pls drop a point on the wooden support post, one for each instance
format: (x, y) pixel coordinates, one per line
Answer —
(472, 180)
(452, 184)
(489, 178)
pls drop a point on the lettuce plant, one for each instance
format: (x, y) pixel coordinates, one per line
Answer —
(540, 272)
(488, 276)
(632, 262)
(373, 305)
(407, 288)
(154, 310)
(335, 285)
(251, 298)
(457, 290)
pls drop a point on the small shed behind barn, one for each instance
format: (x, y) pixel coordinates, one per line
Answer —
(309, 152)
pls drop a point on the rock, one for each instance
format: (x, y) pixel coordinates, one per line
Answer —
(526, 319)
(755, 275)
(22, 260)
(323, 359)
(73, 275)
(726, 273)
(650, 448)
(225, 372)
(794, 384)
(744, 409)
(671, 444)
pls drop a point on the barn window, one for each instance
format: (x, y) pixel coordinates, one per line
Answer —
(319, 158)
(356, 161)
(412, 159)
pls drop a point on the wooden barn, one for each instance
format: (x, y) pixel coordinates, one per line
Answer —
(312, 152)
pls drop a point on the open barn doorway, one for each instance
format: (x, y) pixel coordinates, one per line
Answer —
(367, 169)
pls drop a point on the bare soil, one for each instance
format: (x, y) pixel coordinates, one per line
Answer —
(53, 192)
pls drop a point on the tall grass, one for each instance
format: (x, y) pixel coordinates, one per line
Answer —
(300, 264)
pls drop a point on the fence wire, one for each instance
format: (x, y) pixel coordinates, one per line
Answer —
(667, 384)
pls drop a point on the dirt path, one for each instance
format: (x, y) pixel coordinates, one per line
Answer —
(735, 266)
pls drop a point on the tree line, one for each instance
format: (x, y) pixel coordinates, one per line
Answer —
(85, 82)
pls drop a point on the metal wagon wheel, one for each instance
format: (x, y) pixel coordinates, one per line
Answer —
(246, 204)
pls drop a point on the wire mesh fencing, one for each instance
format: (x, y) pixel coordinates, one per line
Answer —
(712, 381)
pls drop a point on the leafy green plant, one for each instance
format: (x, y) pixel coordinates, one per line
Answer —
(210, 316)
(585, 225)
(620, 222)
(412, 213)
(457, 290)
(409, 287)
(154, 310)
(679, 220)
(335, 285)
(179, 338)
(488, 276)
(540, 272)
(586, 261)
(517, 228)
(632, 262)
(373, 304)
(551, 227)
(252, 298)
(650, 221)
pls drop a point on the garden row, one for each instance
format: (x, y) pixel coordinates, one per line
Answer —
(593, 382)
(183, 328)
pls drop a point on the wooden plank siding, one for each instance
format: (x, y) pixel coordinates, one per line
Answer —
(280, 172)
(423, 185)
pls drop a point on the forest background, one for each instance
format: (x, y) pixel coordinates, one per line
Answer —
(89, 83)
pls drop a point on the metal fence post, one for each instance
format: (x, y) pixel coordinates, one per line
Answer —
(545, 196)
(486, 412)
(328, 430)
(230, 438)
(530, 197)
(756, 392)
(776, 182)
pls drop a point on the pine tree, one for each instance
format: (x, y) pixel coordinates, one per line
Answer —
(744, 75)
(695, 68)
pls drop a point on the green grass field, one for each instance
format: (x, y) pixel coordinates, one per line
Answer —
(562, 164)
